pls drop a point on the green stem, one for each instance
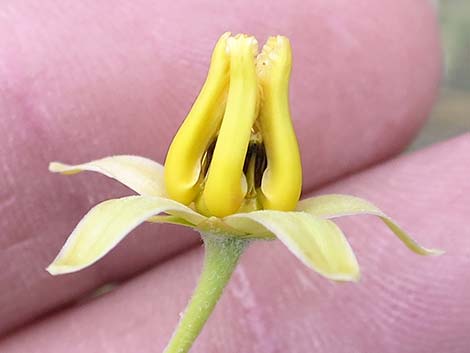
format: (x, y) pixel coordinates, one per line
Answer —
(220, 259)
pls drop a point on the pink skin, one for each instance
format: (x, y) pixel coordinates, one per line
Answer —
(82, 80)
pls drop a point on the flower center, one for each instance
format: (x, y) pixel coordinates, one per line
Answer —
(237, 150)
(254, 167)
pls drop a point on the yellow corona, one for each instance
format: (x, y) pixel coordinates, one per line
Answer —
(237, 148)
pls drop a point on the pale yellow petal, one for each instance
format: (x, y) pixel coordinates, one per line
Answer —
(247, 226)
(170, 220)
(242, 228)
(336, 205)
(317, 242)
(106, 224)
(140, 174)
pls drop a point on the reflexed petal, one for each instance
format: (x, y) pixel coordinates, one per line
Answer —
(335, 205)
(247, 226)
(318, 243)
(170, 220)
(106, 224)
(140, 174)
(244, 228)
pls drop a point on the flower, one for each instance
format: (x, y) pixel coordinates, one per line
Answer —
(307, 231)
(233, 173)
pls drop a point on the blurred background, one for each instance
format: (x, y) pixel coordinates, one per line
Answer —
(451, 114)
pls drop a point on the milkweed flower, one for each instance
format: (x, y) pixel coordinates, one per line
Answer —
(233, 173)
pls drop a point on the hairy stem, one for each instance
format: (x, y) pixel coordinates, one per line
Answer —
(220, 259)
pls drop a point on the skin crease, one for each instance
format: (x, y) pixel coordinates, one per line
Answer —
(403, 303)
(82, 80)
